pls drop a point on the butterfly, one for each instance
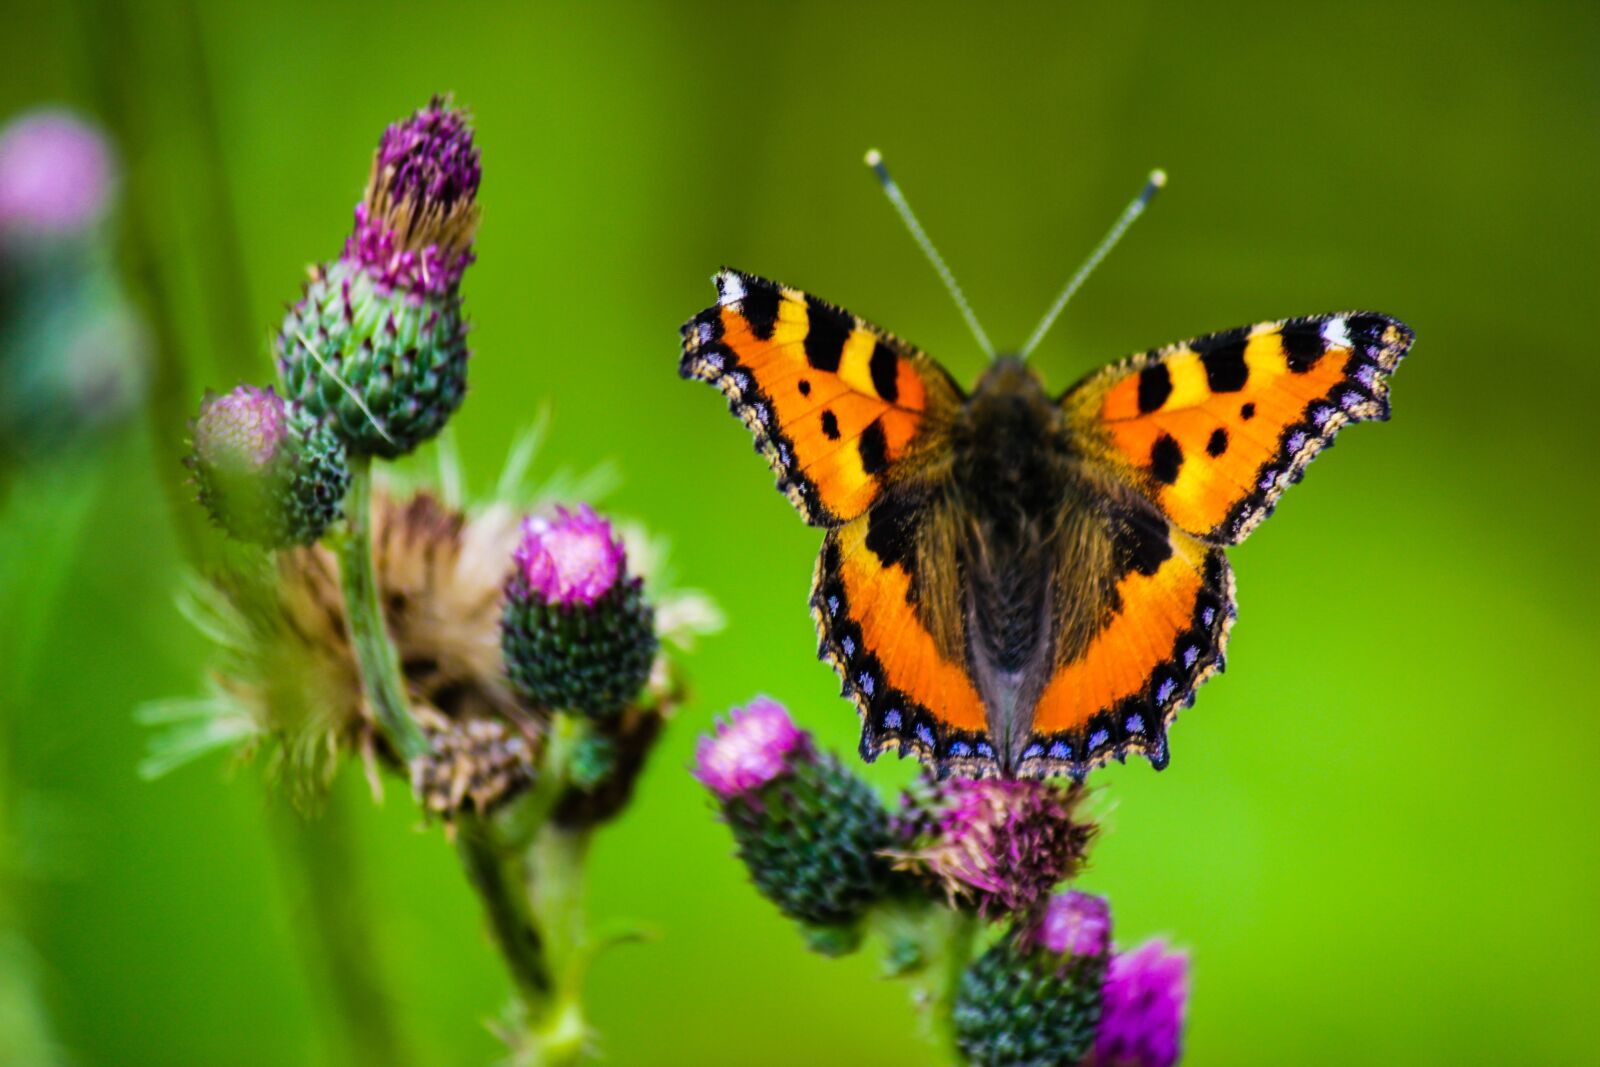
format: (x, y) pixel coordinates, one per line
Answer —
(1014, 582)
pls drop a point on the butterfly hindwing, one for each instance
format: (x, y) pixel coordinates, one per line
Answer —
(1215, 429)
(834, 402)
(900, 654)
(1156, 632)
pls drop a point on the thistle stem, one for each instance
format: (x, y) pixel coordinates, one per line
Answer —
(501, 880)
(560, 863)
(376, 658)
(530, 874)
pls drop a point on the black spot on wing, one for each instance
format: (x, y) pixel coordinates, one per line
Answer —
(827, 328)
(1366, 331)
(1166, 458)
(760, 306)
(1302, 345)
(891, 530)
(830, 426)
(885, 366)
(1140, 542)
(1218, 444)
(805, 387)
(874, 448)
(1155, 385)
(1223, 358)
(1247, 412)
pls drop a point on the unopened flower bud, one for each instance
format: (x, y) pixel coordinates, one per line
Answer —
(1034, 998)
(267, 471)
(810, 832)
(577, 633)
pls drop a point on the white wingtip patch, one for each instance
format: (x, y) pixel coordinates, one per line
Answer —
(730, 288)
(1336, 333)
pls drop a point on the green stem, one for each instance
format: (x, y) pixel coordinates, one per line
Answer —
(560, 863)
(501, 880)
(379, 664)
(530, 874)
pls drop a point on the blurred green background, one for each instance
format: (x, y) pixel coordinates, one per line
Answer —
(1378, 833)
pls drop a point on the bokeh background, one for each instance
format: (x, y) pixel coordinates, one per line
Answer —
(1378, 833)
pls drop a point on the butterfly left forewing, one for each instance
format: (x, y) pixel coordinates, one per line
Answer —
(1215, 429)
(835, 403)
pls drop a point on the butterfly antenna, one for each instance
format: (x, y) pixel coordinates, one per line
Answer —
(1152, 185)
(898, 199)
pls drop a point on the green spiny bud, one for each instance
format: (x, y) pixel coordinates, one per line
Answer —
(1034, 998)
(577, 633)
(378, 342)
(811, 833)
(267, 471)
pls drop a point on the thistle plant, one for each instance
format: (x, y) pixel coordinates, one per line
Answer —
(961, 883)
(511, 661)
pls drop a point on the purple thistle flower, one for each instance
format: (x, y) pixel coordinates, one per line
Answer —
(1144, 998)
(749, 750)
(55, 174)
(1001, 845)
(241, 429)
(431, 156)
(414, 229)
(577, 633)
(574, 558)
(1075, 924)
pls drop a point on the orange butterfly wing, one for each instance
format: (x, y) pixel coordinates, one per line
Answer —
(914, 691)
(1215, 429)
(1163, 629)
(1211, 432)
(833, 401)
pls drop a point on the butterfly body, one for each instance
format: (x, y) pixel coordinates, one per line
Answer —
(1014, 582)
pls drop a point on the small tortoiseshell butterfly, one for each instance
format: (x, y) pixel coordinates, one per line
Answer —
(1014, 582)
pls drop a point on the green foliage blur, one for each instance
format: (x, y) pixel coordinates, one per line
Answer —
(1378, 832)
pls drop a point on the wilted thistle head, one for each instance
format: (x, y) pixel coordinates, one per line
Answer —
(285, 658)
(811, 833)
(1034, 998)
(267, 471)
(56, 174)
(378, 343)
(578, 633)
(1145, 997)
(995, 845)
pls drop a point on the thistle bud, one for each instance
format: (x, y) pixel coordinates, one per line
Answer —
(576, 632)
(378, 342)
(993, 846)
(267, 471)
(1035, 997)
(810, 832)
(1144, 999)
